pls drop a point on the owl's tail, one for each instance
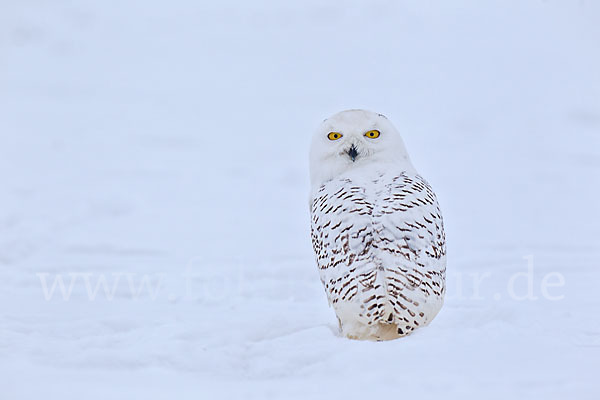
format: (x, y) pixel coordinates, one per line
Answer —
(376, 332)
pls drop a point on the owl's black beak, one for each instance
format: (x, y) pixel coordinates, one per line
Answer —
(353, 153)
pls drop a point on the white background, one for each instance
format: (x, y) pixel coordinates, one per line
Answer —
(168, 141)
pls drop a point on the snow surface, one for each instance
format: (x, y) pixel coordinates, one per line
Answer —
(163, 146)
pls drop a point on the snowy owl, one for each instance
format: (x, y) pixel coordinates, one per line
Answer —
(376, 228)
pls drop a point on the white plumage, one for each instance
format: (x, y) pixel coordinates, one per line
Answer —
(377, 229)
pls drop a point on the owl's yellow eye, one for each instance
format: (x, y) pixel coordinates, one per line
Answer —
(374, 134)
(334, 135)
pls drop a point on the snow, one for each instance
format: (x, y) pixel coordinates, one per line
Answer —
(164, 148)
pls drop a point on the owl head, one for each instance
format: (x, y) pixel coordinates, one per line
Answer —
(354, 140)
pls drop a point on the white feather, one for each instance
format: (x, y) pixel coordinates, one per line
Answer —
(377, 230)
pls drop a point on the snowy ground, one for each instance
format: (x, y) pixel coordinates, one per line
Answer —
(161, 148)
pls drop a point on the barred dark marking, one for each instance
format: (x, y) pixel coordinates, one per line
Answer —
(387, 255)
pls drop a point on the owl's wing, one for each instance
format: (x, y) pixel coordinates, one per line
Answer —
(380, 245)
(342, 238)
(411, 238)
